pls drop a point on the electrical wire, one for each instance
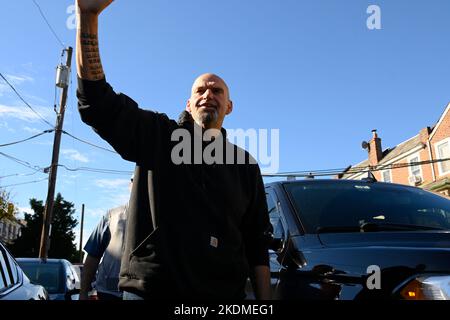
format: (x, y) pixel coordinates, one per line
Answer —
(97, 170)
(48, 24)
(19, 175)
(89, 143)
(23, 183)
(354, 170)
(26, 103)
(327, 172)
(22, 162)
(27, 139)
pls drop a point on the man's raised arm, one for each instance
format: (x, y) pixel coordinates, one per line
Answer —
(89, 65)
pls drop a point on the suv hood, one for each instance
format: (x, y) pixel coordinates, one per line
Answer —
(391, 239)
(353, 253)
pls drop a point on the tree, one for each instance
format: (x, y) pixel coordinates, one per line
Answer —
(7, 208)
(62, 236)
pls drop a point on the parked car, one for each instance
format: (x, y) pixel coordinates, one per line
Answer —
(14, 284)
(342, 239)
(58, 276)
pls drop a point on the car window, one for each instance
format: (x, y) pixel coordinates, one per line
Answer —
(5, 268)
(14, 271)
(2, 281)
(335, 204)
(49, 275)
(3, 271)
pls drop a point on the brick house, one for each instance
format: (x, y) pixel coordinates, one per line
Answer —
(429, 144)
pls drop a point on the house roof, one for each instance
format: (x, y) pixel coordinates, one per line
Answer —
(441, 119)
(389, 153)
(396, 151)
(400, 149)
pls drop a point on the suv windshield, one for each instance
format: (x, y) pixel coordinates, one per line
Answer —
(324, 204)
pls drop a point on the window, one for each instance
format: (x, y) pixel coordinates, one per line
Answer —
(443, 152)
(386, 176)
(5, 271)
(14, 271)
(49, 275)
(415, 169)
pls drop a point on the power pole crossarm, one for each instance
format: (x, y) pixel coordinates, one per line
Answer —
(48, 211)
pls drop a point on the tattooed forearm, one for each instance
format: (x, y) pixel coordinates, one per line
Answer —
(88, 56)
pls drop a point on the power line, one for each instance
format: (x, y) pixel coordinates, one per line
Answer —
(393, 166)
(45, 170)
(19, 184)
(97, 170)
(89, 143)
(306, 173)
(22, 162)
(48, 24)
(20, 141)
(27, 104)
(354, 170)
(19, 175)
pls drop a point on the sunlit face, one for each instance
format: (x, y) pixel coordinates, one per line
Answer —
(209, 102)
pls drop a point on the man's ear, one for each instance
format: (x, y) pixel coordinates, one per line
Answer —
(188, 106)
(230, 107)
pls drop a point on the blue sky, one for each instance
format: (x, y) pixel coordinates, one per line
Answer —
(311, 69)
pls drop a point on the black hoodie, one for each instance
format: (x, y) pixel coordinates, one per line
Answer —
(193, 230)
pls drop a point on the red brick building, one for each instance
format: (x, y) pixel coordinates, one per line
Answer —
(429, 144)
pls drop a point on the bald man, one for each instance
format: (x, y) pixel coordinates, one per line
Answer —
(197, 229)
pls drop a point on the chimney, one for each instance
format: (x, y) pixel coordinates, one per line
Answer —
(375, 150)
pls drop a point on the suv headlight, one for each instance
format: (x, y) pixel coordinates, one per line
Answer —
(435, 287)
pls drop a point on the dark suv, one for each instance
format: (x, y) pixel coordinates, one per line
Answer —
(336, 239)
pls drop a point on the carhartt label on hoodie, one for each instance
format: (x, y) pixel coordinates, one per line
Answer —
(214, 242)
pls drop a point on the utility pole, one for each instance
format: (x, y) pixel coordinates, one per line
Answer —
(48, 211)
(81, 232)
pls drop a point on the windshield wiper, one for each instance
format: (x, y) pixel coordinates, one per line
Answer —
(338, 229)
(375, 226)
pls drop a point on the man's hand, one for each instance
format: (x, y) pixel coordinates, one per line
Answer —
(92, 6)
(89, 65)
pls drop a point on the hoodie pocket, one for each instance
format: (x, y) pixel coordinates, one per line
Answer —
(145, 261)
